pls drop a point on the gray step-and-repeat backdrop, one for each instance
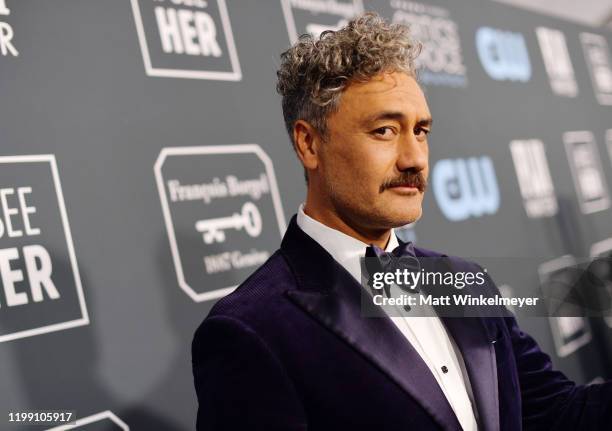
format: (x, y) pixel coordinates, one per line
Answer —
(145, 172)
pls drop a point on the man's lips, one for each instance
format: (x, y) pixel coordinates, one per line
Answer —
(411, 188)
(406, 184)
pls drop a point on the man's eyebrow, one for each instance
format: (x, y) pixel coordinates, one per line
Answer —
(425, 122)
(398, 116)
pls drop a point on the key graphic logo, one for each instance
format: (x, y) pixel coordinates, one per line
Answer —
(223, 214)
(248, 219)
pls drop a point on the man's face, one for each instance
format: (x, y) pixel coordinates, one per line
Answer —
(374, 163)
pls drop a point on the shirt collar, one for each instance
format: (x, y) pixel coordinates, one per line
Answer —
(345, 249)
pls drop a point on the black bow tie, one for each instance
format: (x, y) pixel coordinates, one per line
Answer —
(402, 257)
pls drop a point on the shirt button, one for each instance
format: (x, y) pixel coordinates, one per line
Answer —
(444, 369)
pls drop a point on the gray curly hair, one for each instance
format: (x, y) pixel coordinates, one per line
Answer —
(315, 71)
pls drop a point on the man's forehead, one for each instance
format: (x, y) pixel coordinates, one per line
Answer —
(386, 83)
(390, 91)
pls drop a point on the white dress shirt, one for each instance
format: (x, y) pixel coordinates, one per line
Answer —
(427, 335)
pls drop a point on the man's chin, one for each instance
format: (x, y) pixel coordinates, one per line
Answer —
(404, 217)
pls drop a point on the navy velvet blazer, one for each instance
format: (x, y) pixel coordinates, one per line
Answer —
(289, 350)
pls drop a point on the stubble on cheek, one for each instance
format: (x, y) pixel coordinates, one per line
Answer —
(350, 192)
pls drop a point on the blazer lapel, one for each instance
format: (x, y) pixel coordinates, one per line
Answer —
(479, 358)
(331, 295)
(473, 340)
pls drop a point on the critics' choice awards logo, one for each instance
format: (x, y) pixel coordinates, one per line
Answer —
(186, 39)
(597, 55)
(557, 61)
(534, 178)
(466, 188)
(223, 214)
(7, 46)
(316, 16)
(40, 288)
(441, 60)
(503, 54)
(587, 172)
(569, 333)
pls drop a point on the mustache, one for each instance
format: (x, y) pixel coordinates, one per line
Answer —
(408, 178)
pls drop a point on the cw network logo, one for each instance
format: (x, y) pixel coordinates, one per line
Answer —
(466, 188)
(503, 54)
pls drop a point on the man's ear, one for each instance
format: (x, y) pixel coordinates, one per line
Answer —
(307, 144)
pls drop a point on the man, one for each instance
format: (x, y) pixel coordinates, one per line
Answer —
(291, 350)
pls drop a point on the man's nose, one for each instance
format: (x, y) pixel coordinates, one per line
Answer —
(413, 154)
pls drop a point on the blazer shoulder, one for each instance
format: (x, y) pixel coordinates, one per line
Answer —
(425, 252)
(259, 291)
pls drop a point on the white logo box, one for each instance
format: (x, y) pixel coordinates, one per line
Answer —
(167, 152)
(83, 319)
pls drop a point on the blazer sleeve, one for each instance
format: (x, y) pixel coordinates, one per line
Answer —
(239, 382)
(550, 401)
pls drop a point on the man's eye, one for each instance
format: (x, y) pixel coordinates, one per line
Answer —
(420, 131)
(385, 132)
